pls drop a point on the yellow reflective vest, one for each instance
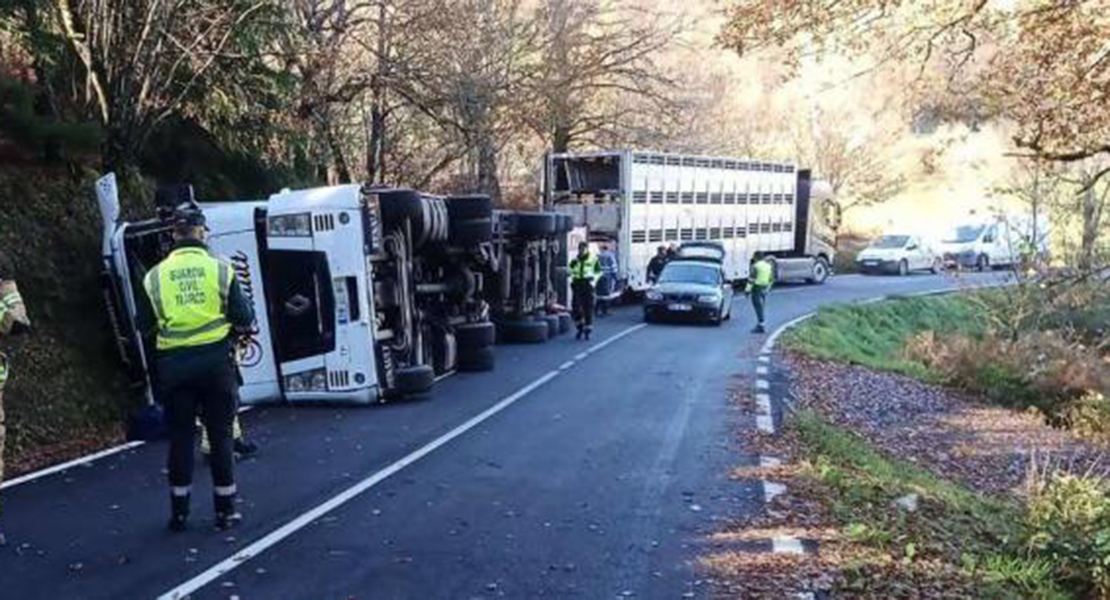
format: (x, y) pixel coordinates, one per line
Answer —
(189, 292)
(762, 276)
(587, 268)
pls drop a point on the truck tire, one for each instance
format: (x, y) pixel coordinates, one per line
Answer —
(475, 335)
(523, 332)
(399, 205)
(552, 321)
(565, 322)
(470, 206)
(471, 232)
(476, 359)
(413, 381)
(535, 225)
(820, 271)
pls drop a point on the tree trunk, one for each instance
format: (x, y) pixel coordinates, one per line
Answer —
(375, 148)
(560, 139)
(488, 181)
(1091, 212)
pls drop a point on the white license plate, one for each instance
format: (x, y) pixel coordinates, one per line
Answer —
(680, 307)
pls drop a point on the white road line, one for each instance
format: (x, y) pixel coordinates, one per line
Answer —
(787, 545)
(761, 370)
(80, 461)
(276, 536)
(772, 490)
(763, 404)
(762, 384)
(566, 365)
(769, 345)
(765, 423)
(628, 331)
(84, 460)
(764, 358)
(581, 356)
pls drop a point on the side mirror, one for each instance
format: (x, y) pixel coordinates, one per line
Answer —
(911, 247)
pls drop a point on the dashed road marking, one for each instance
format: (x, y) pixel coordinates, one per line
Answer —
(764, 358)
(772, 490)
(787, 545)
(765, 423)
(762, 384)
(761, 370)
(763, 404)
(566, 365)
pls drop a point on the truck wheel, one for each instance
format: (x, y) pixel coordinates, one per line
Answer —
(552, 325)
(398, 205)
(471, 206)
(820, 271)
(535, 225)
(476, 359)
(475, 335)
(523, 332)
(416, 380)
(471, 232)
(565, 322)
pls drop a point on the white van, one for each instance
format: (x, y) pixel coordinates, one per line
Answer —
(899, 253)
(995, 242)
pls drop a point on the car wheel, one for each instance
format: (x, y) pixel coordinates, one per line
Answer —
(649, 317)
(523, 332)
(476, 359)
(903, 268)
(983, 263)
(938, 266)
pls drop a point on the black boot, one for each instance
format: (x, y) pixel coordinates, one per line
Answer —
(227, 516)
(179, 513)
(589, 330)
(244, 448)
(581, 332)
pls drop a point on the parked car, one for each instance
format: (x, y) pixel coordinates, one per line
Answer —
(901, 254)
(1001, 241)
(692, 285)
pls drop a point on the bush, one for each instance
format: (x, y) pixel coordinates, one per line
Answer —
(1040, 369)
(1089, 416)
(1069, 524)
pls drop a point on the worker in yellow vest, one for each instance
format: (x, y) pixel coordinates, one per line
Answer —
(584, 273)
(195, 304)
(13, 321)
(761, 278)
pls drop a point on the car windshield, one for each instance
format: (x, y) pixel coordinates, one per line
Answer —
(964, 234)
(890, 241)
(691, 273)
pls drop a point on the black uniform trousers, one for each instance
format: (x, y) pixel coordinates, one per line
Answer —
(582, 303)
(213, 394)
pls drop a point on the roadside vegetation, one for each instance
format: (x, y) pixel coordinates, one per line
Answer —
(954, 444)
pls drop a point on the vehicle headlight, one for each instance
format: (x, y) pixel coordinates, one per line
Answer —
(298, 225)
(315, 380)
(654, 295)
(709, 298)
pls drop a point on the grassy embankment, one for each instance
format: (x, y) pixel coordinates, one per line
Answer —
(1055, 542)
(66, 394)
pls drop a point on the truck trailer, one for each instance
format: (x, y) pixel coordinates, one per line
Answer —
(634, 201)
(361, 293)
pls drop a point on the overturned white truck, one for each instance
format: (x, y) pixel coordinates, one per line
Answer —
(361, 293)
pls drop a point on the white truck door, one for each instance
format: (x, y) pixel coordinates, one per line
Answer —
(233, 238)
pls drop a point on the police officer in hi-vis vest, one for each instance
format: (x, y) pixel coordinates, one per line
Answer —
(584, 273)
(760, 280)
(13, 321)
(195, 304)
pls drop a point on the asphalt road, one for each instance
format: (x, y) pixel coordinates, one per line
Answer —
(576, 469)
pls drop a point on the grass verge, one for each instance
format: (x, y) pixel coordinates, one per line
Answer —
(954, 541)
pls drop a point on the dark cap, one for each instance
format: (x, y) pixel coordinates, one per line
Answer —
(189, 217)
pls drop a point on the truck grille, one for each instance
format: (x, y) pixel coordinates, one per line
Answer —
(339, 379)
